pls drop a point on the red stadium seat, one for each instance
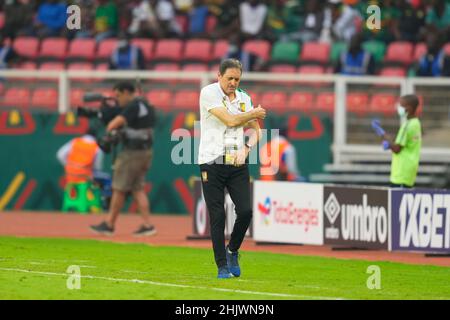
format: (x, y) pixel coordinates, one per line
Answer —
(283, 68)
(146, 45)
(311, 69)
(81, 49)
(254, 96)
(399, 52)
(166, 67)
(315, 52)
(2, 20)
(274, 100)
(106, 48)
(301, 101)
(161, 99)
(325, 102)
(357, 102)
(197, 50)
(186, 100)
(102, 67)
(393, 72)
(28, 65)
(45, 98)
(80, 66)
(383, 103)
(26, 47)
(17, 98)
(169, 49)
(220, 49)
(447, 49)
(419, 50)
(260, 48)
(195, 67)
(76, 97)
(52, 66)
(54, 48)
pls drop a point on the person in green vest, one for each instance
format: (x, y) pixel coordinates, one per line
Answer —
(406, 146)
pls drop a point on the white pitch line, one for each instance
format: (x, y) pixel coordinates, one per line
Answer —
(283, 295)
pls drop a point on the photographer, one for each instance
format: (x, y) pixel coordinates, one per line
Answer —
(136, 123)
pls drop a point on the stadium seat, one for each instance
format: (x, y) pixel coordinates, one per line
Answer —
(357, 102)
(260, 48)
(310, 69)
(53, 48)
(274, 100)
(195, 67)
(80, 66)
(198, 50)
(27, 47)
(393, 72)
(285, 52)
(81, 49)
(325, 102)
(315, 52)
(383, 103)
(254, 96)
(2, 20)
(45, 98)
(146, 45)
(52, 66)
(161, 99)
(105, 49)
(102, 67)
(168, 49)
(166, 67)
(300, 101)
(336, 50)
(17, 98)
(186, 100)
(447, 49)
(28, 65)
(283, 68)
(399, 52)
(419, 51)
(376, 48)
(220, 49)
(76, 99)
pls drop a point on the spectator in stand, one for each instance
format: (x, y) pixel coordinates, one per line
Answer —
(144, 21)
(410, 24)
(198, 16)
(355, 61)
(106, 20)
(249, 61)
(87, 19)
(342, 20)
(126, 56)
(165, 13)
(18, 18)
(282, 18)
(390, 14)
(313, 22)
(252, 16)
(51, 19)
(7, 54)
(227, 15)
(438, 17)
(435, 63)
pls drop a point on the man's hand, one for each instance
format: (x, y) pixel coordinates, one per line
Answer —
(386, 145)
(241, 155)
(259, 112)
(376, 125)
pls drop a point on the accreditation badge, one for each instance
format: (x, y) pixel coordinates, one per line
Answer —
(242, 106)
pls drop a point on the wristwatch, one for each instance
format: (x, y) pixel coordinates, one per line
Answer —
(248, 146)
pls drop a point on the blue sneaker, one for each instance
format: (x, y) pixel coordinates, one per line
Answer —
(233, 263)
(224, 273)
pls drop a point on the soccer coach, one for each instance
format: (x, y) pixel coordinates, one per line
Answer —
(224, 112)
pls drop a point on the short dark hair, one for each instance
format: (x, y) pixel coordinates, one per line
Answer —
(229, 64)
(411, 100)
(124, 86)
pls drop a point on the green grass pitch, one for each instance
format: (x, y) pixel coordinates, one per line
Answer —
(32, 268)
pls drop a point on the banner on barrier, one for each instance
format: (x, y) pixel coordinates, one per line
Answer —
(287, 212)
(201, 225)
(356, 217)
(420, 220)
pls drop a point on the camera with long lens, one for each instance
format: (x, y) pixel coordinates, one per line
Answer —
(108, 110)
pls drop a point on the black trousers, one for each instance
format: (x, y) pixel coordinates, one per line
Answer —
(215, 178)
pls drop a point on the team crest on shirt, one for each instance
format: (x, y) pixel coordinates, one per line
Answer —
(242, 106)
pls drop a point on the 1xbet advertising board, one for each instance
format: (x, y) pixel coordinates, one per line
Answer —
(356, 217)
(288, 212)
(420, 220)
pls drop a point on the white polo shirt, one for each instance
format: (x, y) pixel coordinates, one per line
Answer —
(212, 130)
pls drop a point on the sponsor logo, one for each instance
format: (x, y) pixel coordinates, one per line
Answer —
(425, 221)
(359, 222)
(264, 209)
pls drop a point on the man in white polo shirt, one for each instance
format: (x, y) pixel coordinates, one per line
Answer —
(224, 112)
